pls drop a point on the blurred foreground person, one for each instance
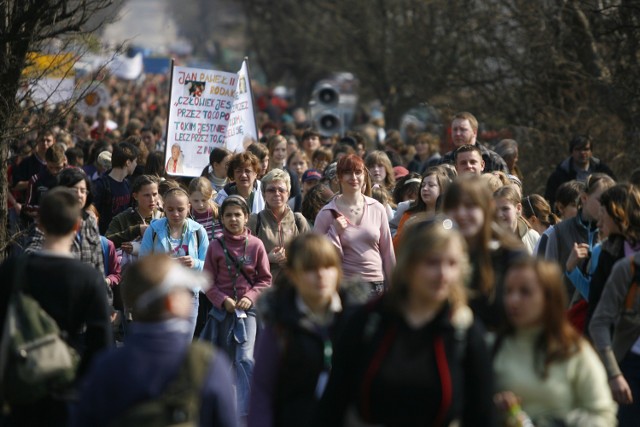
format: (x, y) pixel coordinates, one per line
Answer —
(159, 377)
(615, 330)
(416, 356)
(541, 363)
(303, 314)
(469, 203)
(71, 292)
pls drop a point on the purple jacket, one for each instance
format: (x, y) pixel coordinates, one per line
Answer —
(255, 265)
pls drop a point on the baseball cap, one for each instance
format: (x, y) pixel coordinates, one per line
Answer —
(104, 159)
(331, 171)
(399, 172)
(311, 174)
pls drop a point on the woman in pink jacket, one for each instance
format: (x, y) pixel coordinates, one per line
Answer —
(359, 227)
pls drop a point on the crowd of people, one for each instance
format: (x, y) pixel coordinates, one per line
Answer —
(340, 281)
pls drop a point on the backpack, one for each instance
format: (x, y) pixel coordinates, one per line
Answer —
(179, 402)
(35, 359)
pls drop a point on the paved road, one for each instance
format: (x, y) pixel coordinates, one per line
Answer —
(143, 23)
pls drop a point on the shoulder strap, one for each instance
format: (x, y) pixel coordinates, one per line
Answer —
(630, 299)
(154, 235)
(194, 368)
(196, 236)
(258, 223)
(179, 402)
(298, 221)
(233, 260)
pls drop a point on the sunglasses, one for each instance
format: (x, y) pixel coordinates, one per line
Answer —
(274, 190)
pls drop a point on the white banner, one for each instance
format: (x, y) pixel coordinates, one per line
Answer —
(92, 96)
(50, 78)
(201, 104)
(126, 68)
(241, 130)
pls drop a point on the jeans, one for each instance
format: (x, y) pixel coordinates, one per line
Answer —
(628, 415)
(194, 312)
(237, 337)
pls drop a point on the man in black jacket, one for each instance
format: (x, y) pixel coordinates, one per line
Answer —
(464, 131)
(579, 165)
(71, 292)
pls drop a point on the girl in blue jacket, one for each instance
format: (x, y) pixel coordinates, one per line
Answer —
(178, 236)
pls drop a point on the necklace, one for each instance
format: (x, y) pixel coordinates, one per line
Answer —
(179, 245)
(355, 209)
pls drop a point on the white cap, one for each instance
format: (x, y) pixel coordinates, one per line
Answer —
(177, 277)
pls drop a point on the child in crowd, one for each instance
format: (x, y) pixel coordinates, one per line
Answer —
(180, 237)
(216, 170)
(432, 186)
(239, 265)
(127, 228)
(509, 215)
(203, 210)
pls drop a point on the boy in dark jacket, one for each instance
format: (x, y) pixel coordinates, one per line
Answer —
(159, 293)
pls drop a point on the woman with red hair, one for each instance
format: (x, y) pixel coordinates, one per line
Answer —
(358, 226)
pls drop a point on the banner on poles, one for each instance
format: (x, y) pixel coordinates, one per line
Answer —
(207, 110)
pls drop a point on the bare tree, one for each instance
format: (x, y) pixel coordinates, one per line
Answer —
(28, 26)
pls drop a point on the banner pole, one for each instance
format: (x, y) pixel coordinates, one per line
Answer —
(253, 99)
(166, 142)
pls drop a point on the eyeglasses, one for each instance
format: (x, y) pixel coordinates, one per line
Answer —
(280, 190)
(243, 171)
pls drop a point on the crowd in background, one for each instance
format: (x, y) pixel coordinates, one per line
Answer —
(366, 278)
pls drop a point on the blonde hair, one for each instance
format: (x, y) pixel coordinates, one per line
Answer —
(508, 193)
(380, 158)
(203, 185)
(276, 175)
(493, 181)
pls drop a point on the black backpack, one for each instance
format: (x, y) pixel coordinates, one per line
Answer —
(35, 359)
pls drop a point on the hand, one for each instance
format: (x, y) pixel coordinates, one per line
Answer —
(127, 247)
(229, 305)
(277, 255)
(340, 223)
(579, 252)
(620, 390)
(143, 228)
(186, 260)
(244, 304)
(17, 207)
(505, 400)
